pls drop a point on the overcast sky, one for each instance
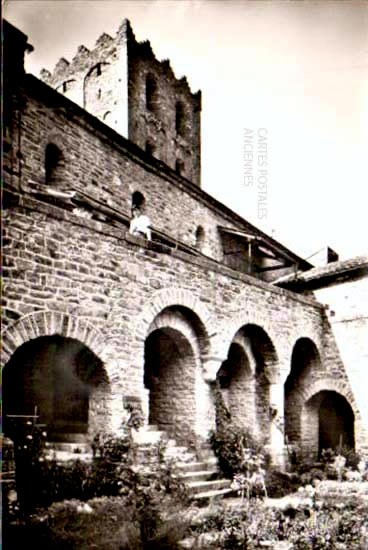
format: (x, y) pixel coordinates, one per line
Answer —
(287, 80)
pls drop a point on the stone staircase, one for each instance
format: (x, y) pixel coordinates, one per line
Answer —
(199, 473)
(198, 470)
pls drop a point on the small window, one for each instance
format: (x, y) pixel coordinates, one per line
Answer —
(54, 165)
(151, 94)
(138, 200)
(150, 148)
(96, 70)
(180, 119)
(199, 237)
(179, 167)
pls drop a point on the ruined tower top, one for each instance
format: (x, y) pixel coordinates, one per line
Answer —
(121, 82)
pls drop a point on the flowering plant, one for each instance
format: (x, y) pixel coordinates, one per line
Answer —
(339, 465)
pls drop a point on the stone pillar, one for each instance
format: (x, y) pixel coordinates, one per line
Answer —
(206, 412)
(276, 446)
(145, 396)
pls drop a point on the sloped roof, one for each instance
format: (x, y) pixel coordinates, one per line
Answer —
(321, 275)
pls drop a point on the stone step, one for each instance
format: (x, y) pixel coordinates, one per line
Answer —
(210, 464)
(199, 475)
(146, 437)
(196, 487)
(215, 494)
(71, 447)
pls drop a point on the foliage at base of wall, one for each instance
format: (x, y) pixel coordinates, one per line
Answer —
(103, 523)
(328, 517)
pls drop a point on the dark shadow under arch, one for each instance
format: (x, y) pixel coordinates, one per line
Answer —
(56, 375)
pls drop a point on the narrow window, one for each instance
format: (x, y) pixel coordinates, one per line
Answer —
(54, 165)
(180, 119)
(199, 237)
(179, 167)
(67, 85)
(138, 200)
(151, 94)
(150, 148)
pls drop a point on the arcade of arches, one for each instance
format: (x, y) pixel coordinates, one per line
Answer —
(69, 386)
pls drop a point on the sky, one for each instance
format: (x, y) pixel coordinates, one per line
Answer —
(284, 100)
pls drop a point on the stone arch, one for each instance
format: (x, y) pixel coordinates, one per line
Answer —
(311, 335)
(305, 368)
(175, 319)
(48, 323)
(236, 383)
(328, 383)
(174, 297)
(264, 365)
(239, 320)
(312, 398)
(80, 341)
(172, 370)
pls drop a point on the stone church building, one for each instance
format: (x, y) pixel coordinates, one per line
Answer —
(94, 316)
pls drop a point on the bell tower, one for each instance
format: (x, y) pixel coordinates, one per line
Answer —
(122, 83)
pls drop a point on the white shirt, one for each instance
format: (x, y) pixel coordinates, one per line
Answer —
(141, 225)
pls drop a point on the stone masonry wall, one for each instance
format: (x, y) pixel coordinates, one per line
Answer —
(110, 82)
(88, 271)
(347, 340)
(106, 171)
(91, 281)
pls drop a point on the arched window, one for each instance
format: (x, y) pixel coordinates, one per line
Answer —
(96, 70)
(150, 148)
(65, 86)
(179, 166)
(151, 94)
(92, 90)
(199, 237)
(180, 119)
(138, 200)
(54, 165)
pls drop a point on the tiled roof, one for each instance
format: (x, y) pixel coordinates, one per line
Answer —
(330, 271)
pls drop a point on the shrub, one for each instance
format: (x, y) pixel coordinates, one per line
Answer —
(280, 484)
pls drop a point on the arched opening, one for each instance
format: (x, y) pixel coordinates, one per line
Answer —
(250, 366)
(336, 422)
(172, 370)
(54, 166)
(179, 167)
(150, 148)
(199, 238)
(60, 378)
(236, 383)
(180, 117)
(170, 378)
(92, 91)
(151, 94)
(327, 423)
(138, 200)
(305, 364)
